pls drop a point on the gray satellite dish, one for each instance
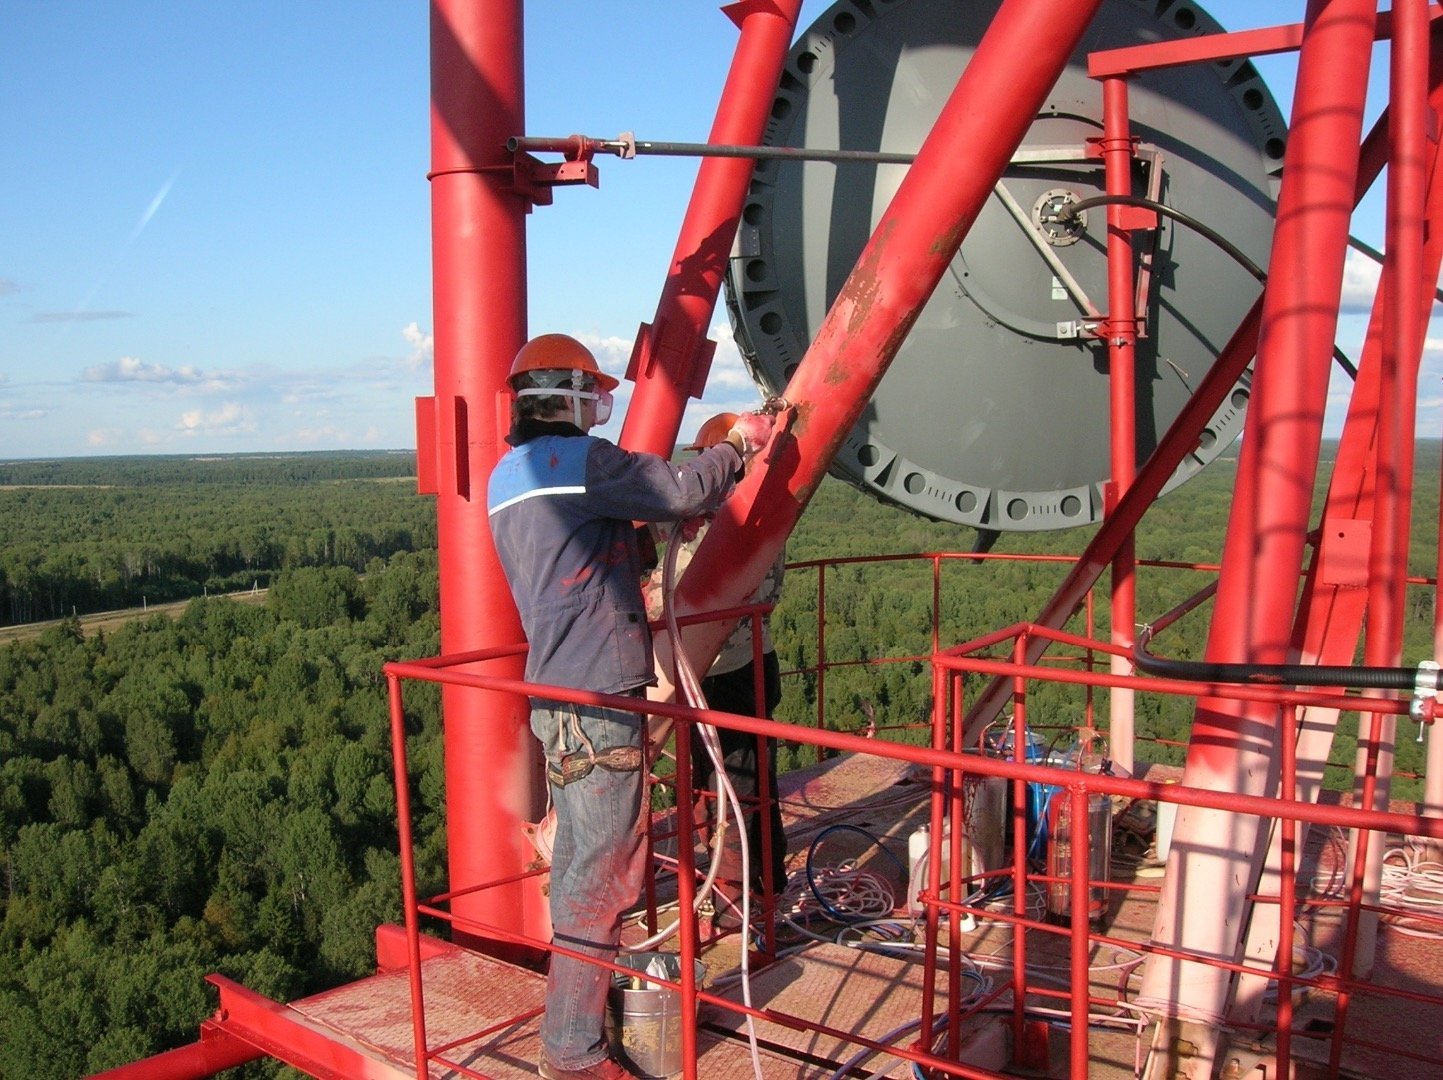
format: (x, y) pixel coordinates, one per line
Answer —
(995, 412)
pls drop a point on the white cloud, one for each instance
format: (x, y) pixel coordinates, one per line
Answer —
(326, 433)
(308, 389)
(230, 419)
(10, 411)
(1360, 281)
(727, 370)
(333, 435)
(100, 438)
(130, 369)
(612, 353)
(423, 346)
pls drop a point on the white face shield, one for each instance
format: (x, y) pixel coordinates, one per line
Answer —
(603, 405)
(579, 386)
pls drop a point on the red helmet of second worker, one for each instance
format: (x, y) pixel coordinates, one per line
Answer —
(713, 431)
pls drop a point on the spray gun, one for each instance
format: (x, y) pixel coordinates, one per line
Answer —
(784, 413)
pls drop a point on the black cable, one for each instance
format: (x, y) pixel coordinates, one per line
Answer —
(1357, 678)
(835, 912)
(1071, 210)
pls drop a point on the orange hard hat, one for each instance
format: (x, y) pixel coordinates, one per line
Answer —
(713, 431)
(558, 352)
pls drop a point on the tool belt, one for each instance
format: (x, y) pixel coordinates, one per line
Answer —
(577, 766)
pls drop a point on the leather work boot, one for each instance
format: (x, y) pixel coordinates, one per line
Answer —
(606, 1069)
(728, 905)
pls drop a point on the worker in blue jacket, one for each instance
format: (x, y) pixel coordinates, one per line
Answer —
(563, 506)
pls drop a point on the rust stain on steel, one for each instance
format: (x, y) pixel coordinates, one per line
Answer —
(947, 244)
(863, 285)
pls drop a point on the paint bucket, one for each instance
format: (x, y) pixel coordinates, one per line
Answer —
(643, 1019)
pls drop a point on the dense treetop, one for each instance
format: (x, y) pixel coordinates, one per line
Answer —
(161, 469)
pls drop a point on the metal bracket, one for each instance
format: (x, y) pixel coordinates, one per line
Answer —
(534, 178)
(1079, 328)
(1425, 693)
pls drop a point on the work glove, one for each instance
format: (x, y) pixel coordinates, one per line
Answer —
(750, 433)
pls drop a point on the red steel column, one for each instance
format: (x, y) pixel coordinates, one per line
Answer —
(672, 355)
(1016, 64)
(493, 776)
(1397, 405)
(1335, 593)
(1122, 382)
(1433, 784)
(1233, 746)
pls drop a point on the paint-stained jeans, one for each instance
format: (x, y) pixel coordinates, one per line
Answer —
(597, 866)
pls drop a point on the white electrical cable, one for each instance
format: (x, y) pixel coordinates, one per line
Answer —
(726, 796)
(1413, 880)
(846, 889)
(690, 686)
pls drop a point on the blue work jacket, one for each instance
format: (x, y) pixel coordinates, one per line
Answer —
(562, 506)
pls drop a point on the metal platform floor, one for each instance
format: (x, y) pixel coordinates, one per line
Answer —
(482, 1013)
(467, 993)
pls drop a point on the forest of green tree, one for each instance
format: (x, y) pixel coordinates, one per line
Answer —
(99, 534)
(212, 793)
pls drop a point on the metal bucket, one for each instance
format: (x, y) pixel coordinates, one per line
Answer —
(643, 1019)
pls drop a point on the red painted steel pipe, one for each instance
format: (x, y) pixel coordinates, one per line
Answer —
(1117, 159)
(1233, 745)
(1287, 890)
(1329, 625)
(1403, 270)
(1016, 63)
(215, 1052)
(1019, 844)
(672, 356)
(1397, 398)
(1080, 834)
(493, 770)
(686, 899)
(401, 774)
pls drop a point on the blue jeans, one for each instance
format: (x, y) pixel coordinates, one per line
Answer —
(598, 862)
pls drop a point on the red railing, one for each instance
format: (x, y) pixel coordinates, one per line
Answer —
(953, 765)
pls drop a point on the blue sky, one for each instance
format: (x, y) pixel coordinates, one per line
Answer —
(215, 235)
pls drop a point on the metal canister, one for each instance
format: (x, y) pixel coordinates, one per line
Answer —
(1060, 838)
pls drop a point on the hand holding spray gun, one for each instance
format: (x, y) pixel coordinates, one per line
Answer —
(753, 430)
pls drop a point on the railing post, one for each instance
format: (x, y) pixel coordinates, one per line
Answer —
(408, 871)
(945, 685)
(821, 652)
(686, 895)
(1080, 837)
(1122, 321)
(1287, 890)
(1019, 849)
